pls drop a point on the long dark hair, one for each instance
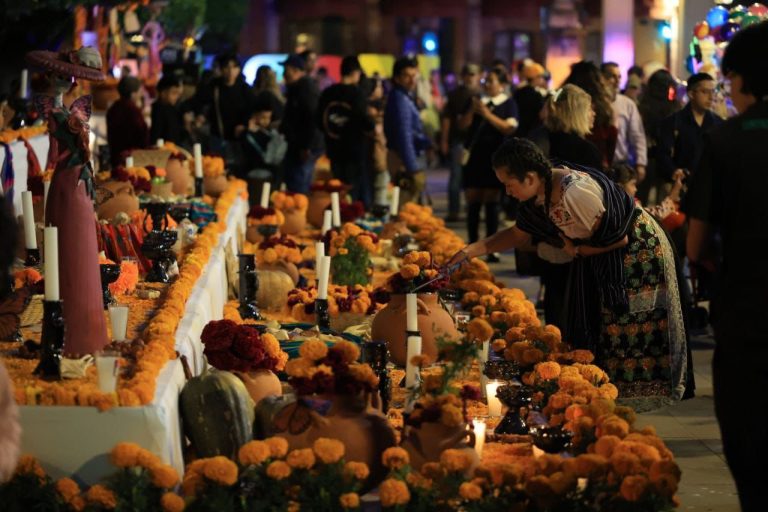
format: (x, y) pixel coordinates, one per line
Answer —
(658, 102)
(518, 157)
(587, 76)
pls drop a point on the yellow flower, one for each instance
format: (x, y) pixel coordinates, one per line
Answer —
(254, 453)
(101, 496)
(478, 329)
(221, 470)
(278, 470)
(633, 487)
(455, 460)
(470, 491)
(301, 459)
(329, 451)
(395, 458)
(299, 367)
(365, 374)
(451, 416)
(67, 489)
(357, 470)
(172, 502)
(342, 251)
(278, 447)
(393, 492)
(349, 500)
(409, 271)
(349, 351)
(498, 345)
(313, 349)
(164, 476)
(548, 371)
(28, 465)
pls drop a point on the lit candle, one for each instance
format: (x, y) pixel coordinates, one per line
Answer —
(46, 187)
(411, 313)
(336, 209)
(128, 161)
(322, 279)
(413, 348)
(394, 205)
(494, 404)
(319, 254)
(51, 263)
(326, 221)
(198, 150)
(479, 427)
(266, 188)
(160, 143)
(30, 240)
(24, 83)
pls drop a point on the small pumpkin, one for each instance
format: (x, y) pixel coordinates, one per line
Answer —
(274, 286)
(217, 412)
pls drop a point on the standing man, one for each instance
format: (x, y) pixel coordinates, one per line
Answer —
(126, 128)
(342, 116)
(299, 126)
(166, 118)
(728, 192)
(530, 97)
(631, 147)
(406, 140)
(457, 118)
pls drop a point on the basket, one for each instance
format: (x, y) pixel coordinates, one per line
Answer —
(33, 313)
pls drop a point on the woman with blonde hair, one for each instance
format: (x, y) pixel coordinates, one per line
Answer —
(569, 119)
(267, 91)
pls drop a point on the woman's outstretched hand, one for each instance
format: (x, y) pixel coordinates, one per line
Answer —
(458, 258)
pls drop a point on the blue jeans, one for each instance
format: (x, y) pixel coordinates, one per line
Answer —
(297, 174)
(454, 180)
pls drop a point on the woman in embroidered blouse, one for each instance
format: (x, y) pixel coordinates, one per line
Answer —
(623, 301)
(495, 118)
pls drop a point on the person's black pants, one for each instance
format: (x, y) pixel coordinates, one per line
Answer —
(354, 172)
(554, 277)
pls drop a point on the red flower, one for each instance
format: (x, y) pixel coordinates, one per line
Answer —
(259, 212)
(247, 345)
(219, 335)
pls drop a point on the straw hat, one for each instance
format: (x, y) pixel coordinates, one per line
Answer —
(84, 63)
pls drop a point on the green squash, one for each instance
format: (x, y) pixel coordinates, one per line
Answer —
(217, 413)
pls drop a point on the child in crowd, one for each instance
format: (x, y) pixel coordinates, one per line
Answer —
(667, 212)
(263, 147)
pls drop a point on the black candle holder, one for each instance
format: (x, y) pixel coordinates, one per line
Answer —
(267, 230)
(33, 258)
(158, 243)
(51, 340)
(109, 274)
(551, 439)
(380, 211)
(323, 318)
(514, 397)
(198, 187)
(249, 287)
(376, 354)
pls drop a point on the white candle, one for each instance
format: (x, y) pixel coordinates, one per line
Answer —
(484, 352)
(128, 161)
(479, 427)
(319, 254)
(118, 317)
(198, 152)
(266, 188)
(413, 348)
(336, 209)
(283, 187)
(326, 221)
(411, 313)
(30, 239)
(322, 279)
(494, 404)
(46, 187)
(160, 143)
(394, 205)
(107, 368)
(51, 263)
(24, 83)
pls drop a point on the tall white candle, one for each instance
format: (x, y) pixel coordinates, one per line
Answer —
(411, 313)
(484, 351)
(160, 143)
(198, 152)
(128, 161)
(51, 263)
(479, 427)
(266, 189)
(319, 254)
(327, 221)
(46, 188)
(24, 83)
(30, 239)
(322, 279)
(283, 187)
(394, 204)
(413, 348)
(494, 404)
(336, 209)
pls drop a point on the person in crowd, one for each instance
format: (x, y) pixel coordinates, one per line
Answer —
(406, 141)
(658, 102)
(633, 89)
(126, 128)
(495, 117)
(376, 143)
(727, 194)
(166, 119)
(343, 118)
(323, 79)
(310, 62)
(530, 96)
(13, 112)
(501, 66)
(457, 117)
(299, 126)
(263, 147)
(586, 75)
(265, 89)
(620, 255)
(680, 141)
(630, 141)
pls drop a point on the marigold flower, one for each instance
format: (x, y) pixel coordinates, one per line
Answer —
(548, 370)
(421, 360)
(254, 453)
(625, 463)
(470, 491)
(395, 458)
(633, 487)
(28, 465)
(456, 461)
(349, 351)
(278, 470)
(409, 271)
(349, 500)
(582, 356)
(357, 470)
(498, 345)
(393, 492)
(220, 470)
(329, 451)
(67, 489)
(278, 447)
(301, 459)
(478, 329)
(101, 496)
(164, 476)
(313, 349)
(451, 415)
(532, 356)
(172, 502)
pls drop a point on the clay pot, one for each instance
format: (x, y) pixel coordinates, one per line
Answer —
(351, 419)
(261, 384)
(389, 326)
(295, 221)
(426, 442)
(177, 172)
(214, 186)
(319, 200)
(123, 199)
(286, 267)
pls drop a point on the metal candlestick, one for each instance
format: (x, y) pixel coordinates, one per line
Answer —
(109, 274)
(198, 187)
(33, 258)
(158, 242)
(51, 340)
(380, 211)
(322, 316)
(375, 353)
(249, 287)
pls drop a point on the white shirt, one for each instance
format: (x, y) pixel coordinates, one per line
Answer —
(630, 145)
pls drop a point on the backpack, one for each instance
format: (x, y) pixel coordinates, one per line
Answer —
(274, 153)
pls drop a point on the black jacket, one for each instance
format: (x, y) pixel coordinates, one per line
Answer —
(342, 117)
(166, 123)
(298, 123)
(680, 141)
(234, 106)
